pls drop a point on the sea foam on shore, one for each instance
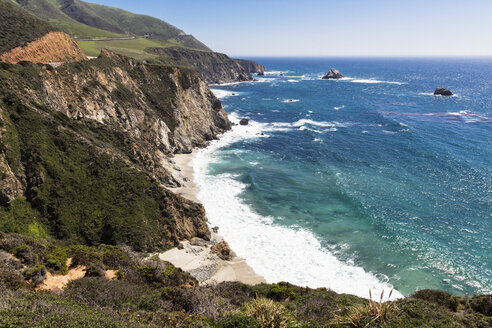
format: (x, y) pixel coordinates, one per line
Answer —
(278, 253)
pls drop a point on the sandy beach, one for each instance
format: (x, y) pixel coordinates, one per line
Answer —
(196, 257)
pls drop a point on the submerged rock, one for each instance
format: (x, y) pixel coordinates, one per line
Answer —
(244, 121)
(442, 92)
(333, 74)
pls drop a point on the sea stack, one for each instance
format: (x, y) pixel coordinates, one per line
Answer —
(333, 74)
(442, 92)
(244, 121)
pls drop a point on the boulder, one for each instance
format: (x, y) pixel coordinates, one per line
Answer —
(260, 74)
(442, 92)
(223, 251)
(244, 121)
(195, 241)
(333, 74)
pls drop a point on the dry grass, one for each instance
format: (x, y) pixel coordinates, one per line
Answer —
(373, 312)
(270, 314)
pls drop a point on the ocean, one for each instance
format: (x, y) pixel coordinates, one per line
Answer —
(368, 182)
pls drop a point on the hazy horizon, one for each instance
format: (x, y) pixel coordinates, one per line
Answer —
(316, 28)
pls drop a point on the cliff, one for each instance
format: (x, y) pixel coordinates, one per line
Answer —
(215, 67)
(84, 151)
(52, 47)
(250, 66)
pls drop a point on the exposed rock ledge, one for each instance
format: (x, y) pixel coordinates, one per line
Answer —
(53, 47)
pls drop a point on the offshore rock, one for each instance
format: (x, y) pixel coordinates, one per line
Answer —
(333, 74)
(244, 121)
(442, 92)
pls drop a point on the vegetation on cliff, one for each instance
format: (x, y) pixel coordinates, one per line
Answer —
(83, 146)
(13, 31)
(152, 293)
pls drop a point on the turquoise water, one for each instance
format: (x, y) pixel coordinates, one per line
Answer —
(366, 182)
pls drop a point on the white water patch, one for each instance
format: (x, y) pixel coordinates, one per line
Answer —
(293, 81)
(340, 107)
(276, 72)
(372, 81)
(221, 94)
(291, 100)
(305, 121)
(278, 253)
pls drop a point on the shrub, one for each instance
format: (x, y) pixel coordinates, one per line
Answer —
(115, 258)
(85, 255)
(24, 253)
(372, 312)
(95, 271)
(282, 291)
(238, 320)
(56, 260)
(482, 304)
(269, 314)
(37, 274)
(438, 297)
(10, 278)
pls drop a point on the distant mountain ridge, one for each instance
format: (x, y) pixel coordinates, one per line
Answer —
(139, 36)
(63, 13)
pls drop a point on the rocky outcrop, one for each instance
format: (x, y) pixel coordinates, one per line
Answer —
(215, 68)
(244, 121)
(86, 145)
(251, 66)
(442, 92)
(223, 251)
(53, 47)
(333, 74)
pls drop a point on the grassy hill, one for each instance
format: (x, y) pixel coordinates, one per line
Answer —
(92, 21)
(13, 21)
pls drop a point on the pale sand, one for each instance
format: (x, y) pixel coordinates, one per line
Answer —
(184, 162)
(207, 267)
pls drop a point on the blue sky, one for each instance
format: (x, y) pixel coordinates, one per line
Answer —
(329, 28)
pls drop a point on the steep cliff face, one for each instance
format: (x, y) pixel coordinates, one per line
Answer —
(52, 47)
(84, 150)
(250, 66)
(215, 68)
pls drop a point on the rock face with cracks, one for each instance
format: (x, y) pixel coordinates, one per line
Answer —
(85, 150)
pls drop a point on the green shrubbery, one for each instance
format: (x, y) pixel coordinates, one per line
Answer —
(76, 192)
(13, 23)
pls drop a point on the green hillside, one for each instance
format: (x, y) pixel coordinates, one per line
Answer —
(91, 21)
(13, 21)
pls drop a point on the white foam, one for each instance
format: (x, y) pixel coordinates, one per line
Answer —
(305, 121)
(293, 81)
(278, 253)
(290, 100)
(221, 94)
(337, 108)
(276, 72)
(374, 81)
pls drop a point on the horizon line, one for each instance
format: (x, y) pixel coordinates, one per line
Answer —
(364, 56)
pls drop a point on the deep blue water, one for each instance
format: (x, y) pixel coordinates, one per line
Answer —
(386, 176)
